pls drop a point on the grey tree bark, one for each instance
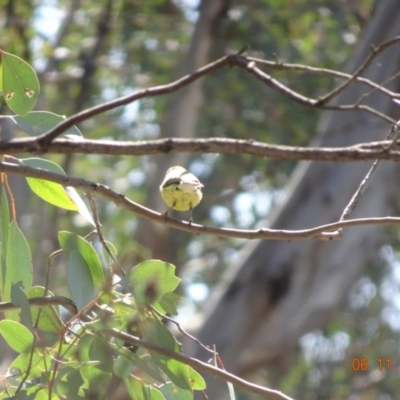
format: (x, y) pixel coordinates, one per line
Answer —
(278, 291)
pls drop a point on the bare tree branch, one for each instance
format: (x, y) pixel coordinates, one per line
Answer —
(154, 91)
(230, 60)
(359, 152)
(278, 65)
(323, 232)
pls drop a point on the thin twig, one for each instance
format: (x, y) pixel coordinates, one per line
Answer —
(367, 179)
(154, 91)
(200, 366)
(233, 59)
(178, 325)
(323, 71)
(296, 97)
(367, 62)
(43, 301)
(100, 234)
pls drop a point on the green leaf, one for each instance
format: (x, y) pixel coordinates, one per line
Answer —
(48, 322)
(99, 350)
(196, 380)
(84, 270)
(70, 241)
(169, 303)
(43, 394)
(17, 336)
(173, 392)
(152, 393)
(122, 367)
(138, 391)
(134, 388)
(18, 266)
(19, 298)
(39, 122)
(41, 163)
(151, 280)
(156, 332)
(69, 383)
(145, 364)
(79, 280)
(175, 370)
(36, 364)
(5, 222)
(95, 377)
(53, 193)
(20, 84)
(83, 347)
(5, 216)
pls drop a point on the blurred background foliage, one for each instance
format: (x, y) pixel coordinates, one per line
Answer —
(88, 52)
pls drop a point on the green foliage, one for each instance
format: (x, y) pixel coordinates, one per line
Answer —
(147, 289)
(84, 270)
(82, 360)
(17, 267)
(78, 358)
(17, 336)
(52, 192)
(19, 82)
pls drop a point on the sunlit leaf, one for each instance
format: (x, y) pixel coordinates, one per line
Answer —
(17, 336)
(175, 370)
(169, 303)
(138, 391)
(151, 280)
(173, 392)
(53, 193)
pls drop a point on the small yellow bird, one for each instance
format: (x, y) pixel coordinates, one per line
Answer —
(181, 190)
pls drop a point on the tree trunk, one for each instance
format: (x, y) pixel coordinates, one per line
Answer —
(278, 291)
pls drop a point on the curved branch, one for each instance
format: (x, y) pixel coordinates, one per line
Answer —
(237, 59)
(292, 95)
(43, 301)
(154, 91)
(323, 71)
(367, 62)
(322, 232)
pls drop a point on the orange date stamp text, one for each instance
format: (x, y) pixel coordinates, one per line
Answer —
(363, 364)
